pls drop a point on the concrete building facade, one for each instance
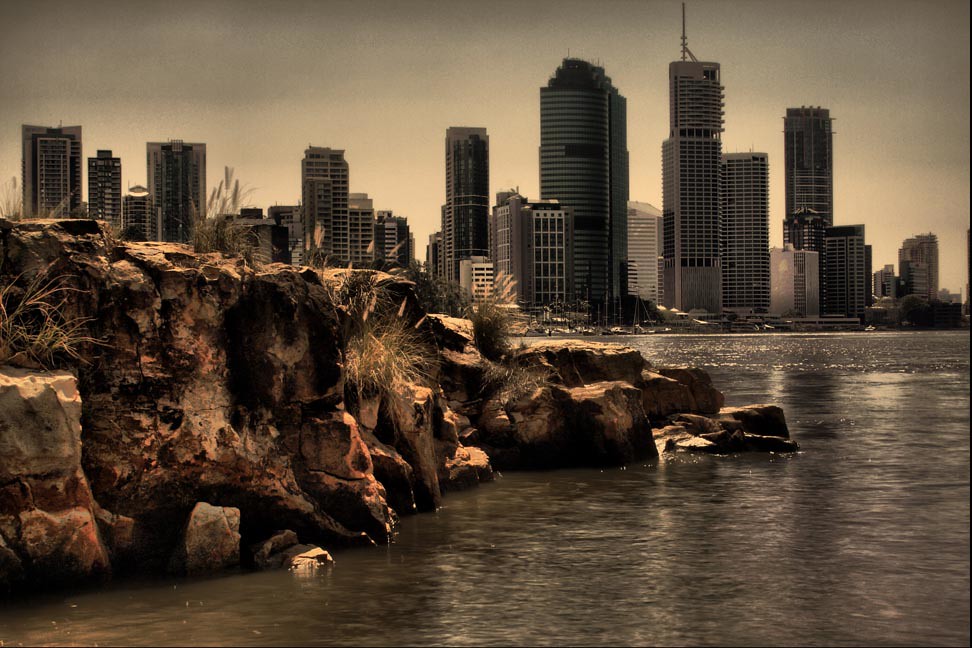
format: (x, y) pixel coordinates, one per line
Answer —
(324, 180)
(691, 159)
(176, 173)
(104, 189)
(918, 265)
(744, 244)
(795, 277)
(845, 257)
(393, 239)
(51, 170)
(645, 248)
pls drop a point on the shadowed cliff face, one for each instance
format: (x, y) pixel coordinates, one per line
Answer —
(215, 382)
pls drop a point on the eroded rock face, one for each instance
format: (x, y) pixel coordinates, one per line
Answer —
(734, 429)
(575, 363)
(48, 531)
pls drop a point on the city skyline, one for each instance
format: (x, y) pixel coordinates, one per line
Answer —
(391, 79)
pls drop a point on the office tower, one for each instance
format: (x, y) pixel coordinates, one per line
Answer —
(691, 157)
(466, 209)
(177, 185)
(289, 216)
(744, 244)
(140, 218)
(795, 276)
(868, 276)
(645, 247)
(918, 265)
(584, 165)
(353, 239)
(845, 258)
(104, 189)
(51, 170)
(531, 244)
(475, 276)
(324, 184)
(808, 150)
(885, 282)
(393, 239)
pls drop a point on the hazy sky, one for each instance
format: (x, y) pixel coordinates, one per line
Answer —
(260, 80)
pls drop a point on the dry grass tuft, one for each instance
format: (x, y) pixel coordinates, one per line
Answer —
(495, 318)
(215, 230)
(34, 330)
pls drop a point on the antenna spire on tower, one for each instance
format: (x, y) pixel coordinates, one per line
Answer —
(685, 48)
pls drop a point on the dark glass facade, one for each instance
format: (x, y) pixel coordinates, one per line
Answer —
(465, 215)
(809, 158)
(584, 165)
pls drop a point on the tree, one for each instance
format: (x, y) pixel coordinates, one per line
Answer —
(914, 311)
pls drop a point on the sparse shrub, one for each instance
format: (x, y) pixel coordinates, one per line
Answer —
(495, 319)
(510, 381)
(35, 332)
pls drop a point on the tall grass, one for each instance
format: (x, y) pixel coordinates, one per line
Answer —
(35, 332)
(214, 230)
(494, 318)
(11, 200)
(383, 352)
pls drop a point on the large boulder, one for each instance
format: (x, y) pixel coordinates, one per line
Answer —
(762, 420)
(210, 541)
(708, 399)
(574, 363)
(48, 530)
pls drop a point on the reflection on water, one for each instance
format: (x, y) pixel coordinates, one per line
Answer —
(862, 538)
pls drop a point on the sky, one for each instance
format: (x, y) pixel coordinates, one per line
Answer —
(259, 81)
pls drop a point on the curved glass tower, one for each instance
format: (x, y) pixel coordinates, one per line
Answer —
(584, 165)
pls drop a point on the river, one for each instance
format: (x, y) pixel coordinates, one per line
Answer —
(862, 538)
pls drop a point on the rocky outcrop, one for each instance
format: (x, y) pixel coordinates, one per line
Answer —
(212, 412)
(759, 428)
(48, 527)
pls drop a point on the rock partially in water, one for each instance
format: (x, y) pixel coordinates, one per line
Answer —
(708, 399)
(269, 554)
(307, 559)
(763, 420)
(210, 541)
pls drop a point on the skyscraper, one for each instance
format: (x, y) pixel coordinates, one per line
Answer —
(645, 246)
(177, 185)
(531, 245)
(744, 245)
(845, 257)
(104, 189)
(393, 239)
(324, 179)
(885, 282)
(353, 241)
(465, 214)
(584, 165)
(691, 157)
(289, 216)
(809, 158)
(918, 266)
(140, 218)
(51, 170)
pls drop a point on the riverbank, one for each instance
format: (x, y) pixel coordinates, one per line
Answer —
(220, 415)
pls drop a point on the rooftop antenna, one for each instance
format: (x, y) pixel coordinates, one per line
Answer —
(685, 48)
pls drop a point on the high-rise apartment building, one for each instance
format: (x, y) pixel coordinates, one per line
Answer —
(476, 277)
(104, 189)
(51, 170)
(465, 213)
(691, 158)
(845, 257)
(645, 248)
(354, 241)
(289, 216)
(140, 218)
(394, 242)
(744, 244)
(794, 281)
(584, 165)
(531, 245)
(918, 266)
(177, 184)
(324, 180)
